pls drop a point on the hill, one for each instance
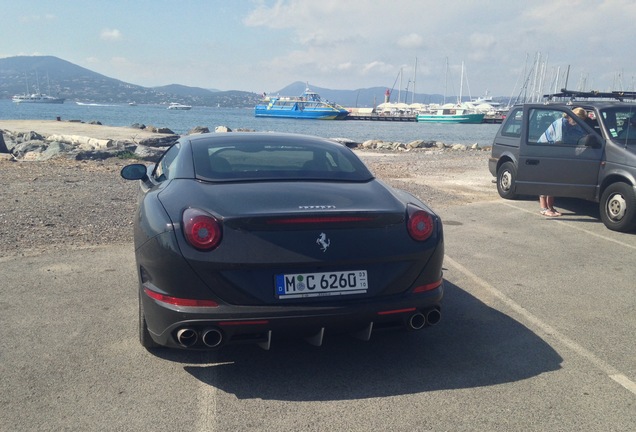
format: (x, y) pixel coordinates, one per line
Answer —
(61, 78)
(369, 97)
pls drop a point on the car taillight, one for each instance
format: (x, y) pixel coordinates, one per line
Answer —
(201, 229)
(179, 301)
(420, 223)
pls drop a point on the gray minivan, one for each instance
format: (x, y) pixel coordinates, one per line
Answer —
(535, 152)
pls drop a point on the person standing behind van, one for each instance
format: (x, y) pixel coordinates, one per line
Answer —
(564, 130)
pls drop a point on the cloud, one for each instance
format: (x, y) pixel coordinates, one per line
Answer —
(110, 35)
(30, 19)
(412, 40)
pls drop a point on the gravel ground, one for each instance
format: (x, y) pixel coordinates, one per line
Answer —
(64, 203)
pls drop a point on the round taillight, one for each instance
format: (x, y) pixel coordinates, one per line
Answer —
(201, 229)
(420, 224)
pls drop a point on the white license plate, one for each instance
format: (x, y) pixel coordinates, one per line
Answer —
(321, 284)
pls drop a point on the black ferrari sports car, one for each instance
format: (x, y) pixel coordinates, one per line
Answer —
(245, 237)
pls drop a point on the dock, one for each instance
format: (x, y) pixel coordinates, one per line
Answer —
(410, 118)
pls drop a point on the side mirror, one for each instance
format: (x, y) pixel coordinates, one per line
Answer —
(134, 172)
(591, 140)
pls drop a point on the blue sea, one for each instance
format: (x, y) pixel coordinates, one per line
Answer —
(181, 122)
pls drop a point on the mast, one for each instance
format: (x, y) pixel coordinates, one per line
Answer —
(461, 85)
(400, 88)
(414, 76)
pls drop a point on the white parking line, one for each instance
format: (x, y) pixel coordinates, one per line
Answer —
(574, 226)
(207, 395)
(539, 326)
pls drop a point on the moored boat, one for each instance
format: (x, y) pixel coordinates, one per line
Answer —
(454, 114)
(309, 105)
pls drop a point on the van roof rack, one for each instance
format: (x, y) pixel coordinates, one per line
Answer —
(572, 94)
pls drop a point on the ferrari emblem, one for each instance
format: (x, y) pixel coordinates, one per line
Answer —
(323, 242)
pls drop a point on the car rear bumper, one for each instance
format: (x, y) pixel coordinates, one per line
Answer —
(207, 328)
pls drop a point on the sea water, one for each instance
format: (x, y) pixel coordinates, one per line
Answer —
(180, 122)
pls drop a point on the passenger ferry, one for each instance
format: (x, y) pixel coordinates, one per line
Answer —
(309, 105)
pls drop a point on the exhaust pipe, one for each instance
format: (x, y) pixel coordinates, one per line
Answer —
(212, 337)
(416, 321)
(187, 337)
(433, 316)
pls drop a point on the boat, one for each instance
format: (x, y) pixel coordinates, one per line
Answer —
(451, 114)
(37, 98)
(308, 105)
(178, 106)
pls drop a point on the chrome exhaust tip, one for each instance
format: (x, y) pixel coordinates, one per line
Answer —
(416, 321)
(212, 337)
(433, 316)
(187, 337)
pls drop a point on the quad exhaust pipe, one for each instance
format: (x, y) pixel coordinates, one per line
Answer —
(420, 320)
(188, 337)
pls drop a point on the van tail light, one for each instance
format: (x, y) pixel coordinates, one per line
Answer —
(201, 229)
(420, 223)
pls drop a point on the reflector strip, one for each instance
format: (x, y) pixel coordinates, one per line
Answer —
(318, 219)
(179, 301)
(427, 287)
(237, 323)
(396, 311)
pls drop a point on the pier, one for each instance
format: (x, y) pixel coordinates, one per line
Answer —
(496, 119)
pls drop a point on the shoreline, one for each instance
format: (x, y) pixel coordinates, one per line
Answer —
(38, 140)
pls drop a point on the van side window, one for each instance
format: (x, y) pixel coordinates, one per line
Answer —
(539, 121)
(512, 127)
(552, 126)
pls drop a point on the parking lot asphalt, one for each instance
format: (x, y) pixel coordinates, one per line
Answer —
(537, 334)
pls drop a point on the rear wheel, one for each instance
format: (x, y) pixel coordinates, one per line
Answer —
(618, 207)
(144, 335)
(506, 179)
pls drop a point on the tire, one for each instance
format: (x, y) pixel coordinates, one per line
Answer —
(144, 335)
(506, 180)
(618, 207)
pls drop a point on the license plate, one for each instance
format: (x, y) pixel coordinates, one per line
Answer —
(289, 286)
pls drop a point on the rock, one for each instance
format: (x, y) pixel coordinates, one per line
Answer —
(55, 149)
(198, 130)
(165, 141)
(346, 141)
(460, 147)
(221, 129)
(3, 146)
(149, 153)
(31, 136)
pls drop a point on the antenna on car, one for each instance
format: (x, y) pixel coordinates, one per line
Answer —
(573, 94)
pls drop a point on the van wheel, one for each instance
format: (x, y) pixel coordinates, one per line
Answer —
(618, 207)
(506, 179)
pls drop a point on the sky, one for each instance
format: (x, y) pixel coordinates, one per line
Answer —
(404, 45)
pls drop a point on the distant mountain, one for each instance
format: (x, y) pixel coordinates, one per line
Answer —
(61, 78)
(58, 77)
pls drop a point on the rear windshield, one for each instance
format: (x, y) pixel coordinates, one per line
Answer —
(247, 161)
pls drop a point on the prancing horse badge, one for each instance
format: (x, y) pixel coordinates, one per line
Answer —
(323, 241)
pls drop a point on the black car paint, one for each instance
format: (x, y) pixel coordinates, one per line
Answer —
(251, 256)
